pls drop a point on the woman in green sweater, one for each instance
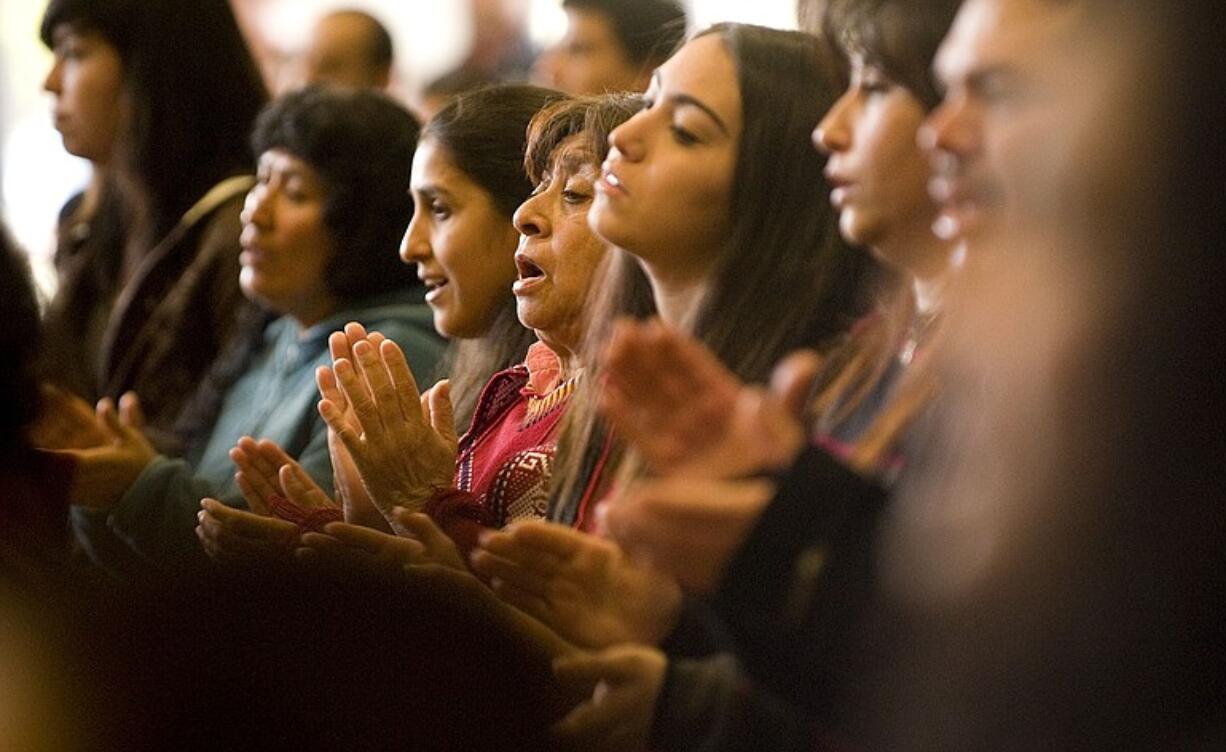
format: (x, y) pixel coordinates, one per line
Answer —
(320, 229)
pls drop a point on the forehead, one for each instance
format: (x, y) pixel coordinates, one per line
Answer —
(1004, 33)
(75, 30)
(572, 154)
(703, 69)
(281, 160)
(590, 25)
(434, 168)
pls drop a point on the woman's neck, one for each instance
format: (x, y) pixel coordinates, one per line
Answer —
(308, 316)
(93, 193)
(678, 294)
(567, 351)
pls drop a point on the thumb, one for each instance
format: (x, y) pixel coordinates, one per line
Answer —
(793, 378)
(442, 412)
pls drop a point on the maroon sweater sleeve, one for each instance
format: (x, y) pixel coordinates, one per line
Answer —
(461, 516)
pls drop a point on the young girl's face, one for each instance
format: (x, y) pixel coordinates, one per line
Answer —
(877, 172)
(665, 191)
(463, 246)
(86, 79)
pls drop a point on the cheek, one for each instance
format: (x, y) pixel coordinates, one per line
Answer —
(479, 265)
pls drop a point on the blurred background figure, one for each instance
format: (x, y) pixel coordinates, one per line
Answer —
(160, 99)
(350, 48)
(1058, 561)
(611, 45)
(33, 485)
(435, 95)
(500, 47)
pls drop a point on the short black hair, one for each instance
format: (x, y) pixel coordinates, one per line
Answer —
(361, 143)
(649, 30)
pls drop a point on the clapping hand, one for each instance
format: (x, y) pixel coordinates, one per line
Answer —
(585, 588)
(623, 685)
(104, 473)
(402, 443)
(688, 415)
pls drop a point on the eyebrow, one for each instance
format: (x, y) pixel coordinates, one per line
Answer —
(431, 191)
(686, 99)
(574, 160)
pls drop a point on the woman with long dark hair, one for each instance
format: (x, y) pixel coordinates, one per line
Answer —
(319, 229)
(150, 292)
(716, 194)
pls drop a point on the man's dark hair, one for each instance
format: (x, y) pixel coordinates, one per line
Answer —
(649, 30)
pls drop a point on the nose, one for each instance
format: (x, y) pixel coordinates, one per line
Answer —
(832, 134)
(54, 82)
(627, 138)
(951, 129)
(530, 219)
(416, 244)
(257, 208)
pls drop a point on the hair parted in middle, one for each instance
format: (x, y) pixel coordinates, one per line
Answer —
(783, 239)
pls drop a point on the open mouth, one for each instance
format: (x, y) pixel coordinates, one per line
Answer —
(434, 287)
(526, 269)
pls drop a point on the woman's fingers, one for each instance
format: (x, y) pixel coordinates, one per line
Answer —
(356, 536)
(403, 383)
(524, 553)
(358, 396)
(257, 501)
(442, 412)
(346, 433)
(130, 411)
(525, 600)
(329, 388)
(250, 526)
(256, 462)
(300, 488)
(392, 409)
(507, 574)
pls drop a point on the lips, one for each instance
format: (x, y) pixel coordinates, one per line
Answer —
(841, 188)
(526, 267)
(963, 203)
(530, 275)
(435, 284)
(610, 183)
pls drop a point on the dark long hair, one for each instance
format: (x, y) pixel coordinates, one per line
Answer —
(784, 245)
(193, 90)
(784, 278)
(361, 143)
(484, 132)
